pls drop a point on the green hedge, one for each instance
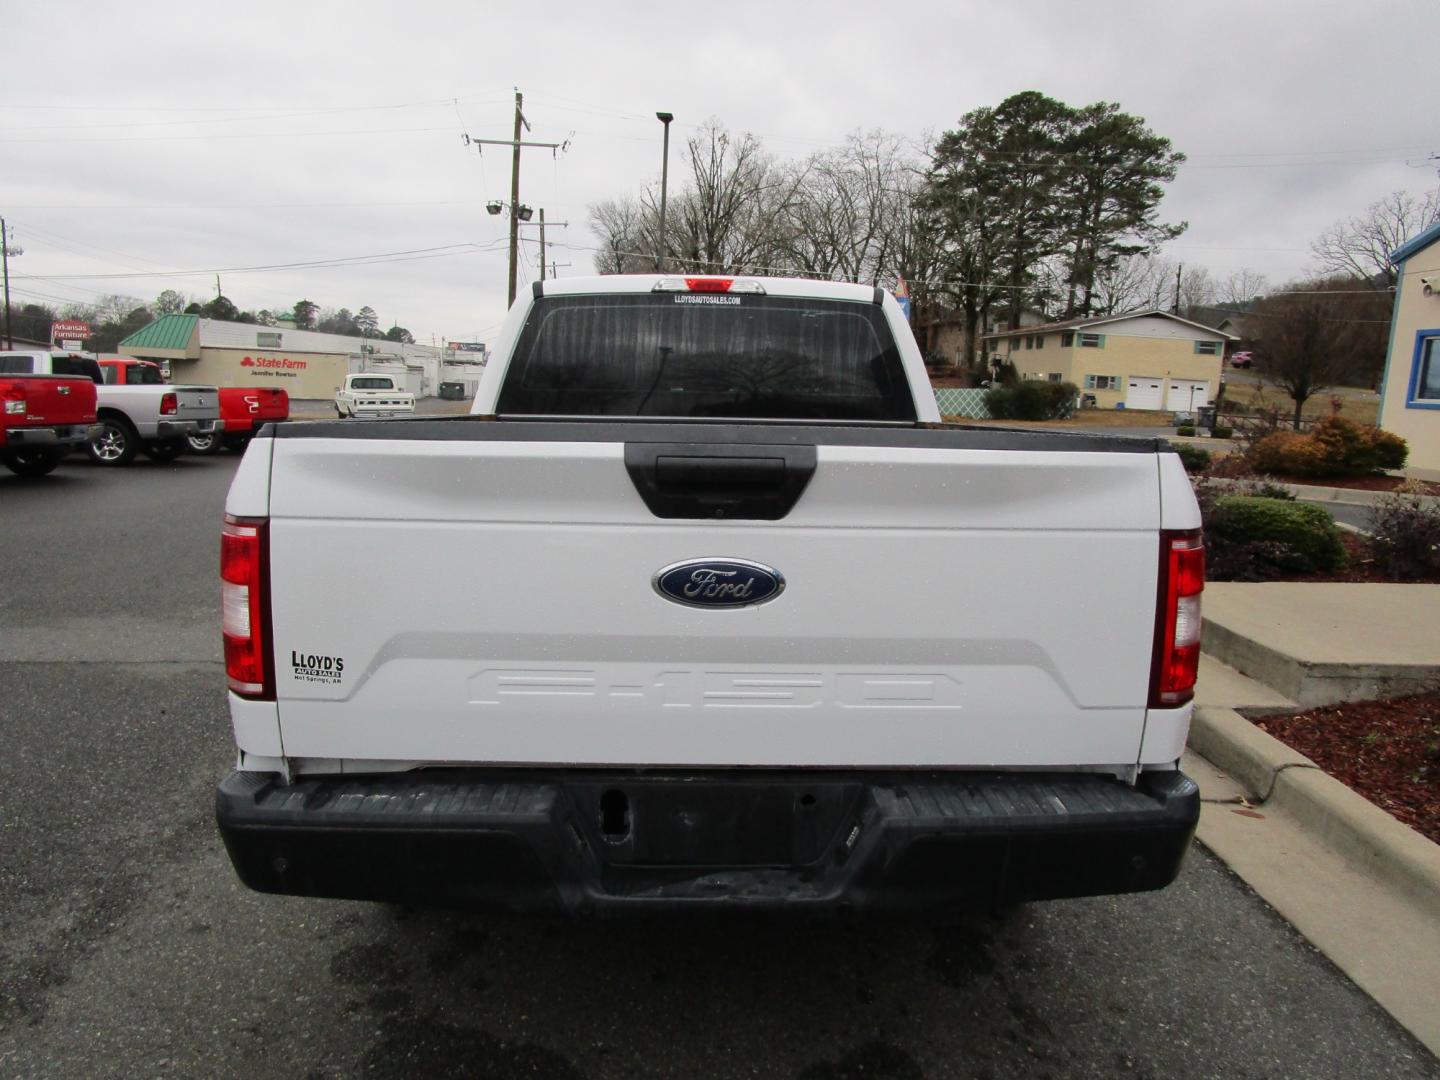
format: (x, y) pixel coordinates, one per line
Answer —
(1307, 534)
(1032, 400)
(1194, 458)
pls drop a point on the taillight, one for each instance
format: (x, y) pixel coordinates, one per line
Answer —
(709, 284)
(244, 582)
(168, 405)
(1177, 619)
(14, 399)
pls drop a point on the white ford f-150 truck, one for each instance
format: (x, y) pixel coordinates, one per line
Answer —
(373, 395)
(705, 608)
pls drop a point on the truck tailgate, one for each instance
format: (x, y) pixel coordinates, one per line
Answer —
(968, 601)
(51, 400)
(196, 403)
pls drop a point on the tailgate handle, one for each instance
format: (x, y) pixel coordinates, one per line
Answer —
(727, 480)
(679, 473)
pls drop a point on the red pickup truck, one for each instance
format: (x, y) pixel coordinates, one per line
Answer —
(242, 409)
(42, 419)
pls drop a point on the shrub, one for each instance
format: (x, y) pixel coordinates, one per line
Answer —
(1195, 459)
(1263, 489)
(1185, 430)
(1220, 431)
(1405, 538)
(1032, 400)
(1335, 447)
(1234, 560)
(1307, 538)
(1286, 453)
(1391, 451)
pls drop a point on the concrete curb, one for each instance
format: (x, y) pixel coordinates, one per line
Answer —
(1378, 845)
(1349, 496)
(1338, 496)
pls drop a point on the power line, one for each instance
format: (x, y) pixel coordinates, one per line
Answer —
(443, 251)
(243, 206)
(236, 135)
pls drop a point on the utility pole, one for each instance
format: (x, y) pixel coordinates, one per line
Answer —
(1175, 310)
(5, 249)
(515, 143)
(542, 223)
(515, 195)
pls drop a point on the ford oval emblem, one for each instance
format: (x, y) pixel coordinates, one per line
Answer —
(719, 583)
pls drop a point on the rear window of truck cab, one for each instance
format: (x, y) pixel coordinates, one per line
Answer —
(371, 384)
(746, 356)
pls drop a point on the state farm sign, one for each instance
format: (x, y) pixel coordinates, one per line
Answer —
(274, 365)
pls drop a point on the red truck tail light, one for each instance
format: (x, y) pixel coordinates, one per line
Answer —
(1177, 618)
(169, 406)
(710, 285)
(14, 399)
(244, 586)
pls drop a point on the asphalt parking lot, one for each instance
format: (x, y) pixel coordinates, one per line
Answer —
(127, 947)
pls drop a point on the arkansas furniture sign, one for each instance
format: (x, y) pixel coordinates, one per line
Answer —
(69, 333)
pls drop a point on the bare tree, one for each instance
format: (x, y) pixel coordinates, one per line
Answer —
(1135, 283)
(729, 218)
(849, 216)
(1197, 289)
(1361, 246)
(626, 236)
(1315, 334)
(1242, 287)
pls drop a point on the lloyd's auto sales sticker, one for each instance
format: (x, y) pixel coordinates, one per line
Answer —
(316, 668)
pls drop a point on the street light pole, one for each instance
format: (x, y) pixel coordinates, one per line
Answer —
(664, 118)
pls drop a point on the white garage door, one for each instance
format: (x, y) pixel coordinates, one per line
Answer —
(1187, 395)
(1144, 392)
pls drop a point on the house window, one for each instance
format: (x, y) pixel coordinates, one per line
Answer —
(1055, 376)
(1102, 382)
(267, 339)
(1425, 373)
(1039, 341)
(1092, 341)
(1067, 339)
(1207, 348)
(1029, 341)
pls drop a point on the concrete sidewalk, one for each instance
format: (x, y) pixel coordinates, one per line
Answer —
(1363, 887)
(1320, 643)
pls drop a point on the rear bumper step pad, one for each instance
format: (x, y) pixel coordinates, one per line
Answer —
(587, 841)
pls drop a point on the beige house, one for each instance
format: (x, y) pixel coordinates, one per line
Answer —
(1410, 389)
(1141, 360)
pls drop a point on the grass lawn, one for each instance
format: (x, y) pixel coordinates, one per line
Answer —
(1356, 403)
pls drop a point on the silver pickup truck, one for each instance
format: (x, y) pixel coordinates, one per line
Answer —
(153, 418)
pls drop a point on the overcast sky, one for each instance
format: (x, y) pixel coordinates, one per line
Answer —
(188, 137)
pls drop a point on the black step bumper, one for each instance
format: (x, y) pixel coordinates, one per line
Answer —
(585, 842)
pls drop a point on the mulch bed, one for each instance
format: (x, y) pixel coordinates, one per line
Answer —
(1388, 751)
(1359, 568)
